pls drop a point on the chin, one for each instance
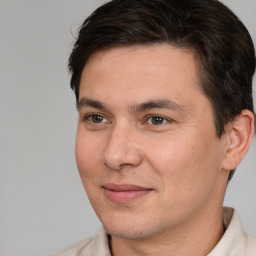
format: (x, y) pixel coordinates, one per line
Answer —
(131, 228)
(129, 233)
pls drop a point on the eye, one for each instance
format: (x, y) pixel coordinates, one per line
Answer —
(96, 119)
(156, 120)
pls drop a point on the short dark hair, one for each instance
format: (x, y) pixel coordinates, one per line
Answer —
(208, 27)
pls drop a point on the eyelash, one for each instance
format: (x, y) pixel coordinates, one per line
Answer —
(161, 118)
(87, 118)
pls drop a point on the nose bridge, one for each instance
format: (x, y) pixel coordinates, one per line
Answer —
(122, 147)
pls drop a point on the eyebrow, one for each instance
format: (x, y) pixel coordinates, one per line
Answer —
(157, 103)
(86, 102)
(150, 104)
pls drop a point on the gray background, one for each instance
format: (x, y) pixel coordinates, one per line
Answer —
(43, 207)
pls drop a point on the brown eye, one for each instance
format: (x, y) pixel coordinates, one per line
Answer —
(157, 120)
(96, 119)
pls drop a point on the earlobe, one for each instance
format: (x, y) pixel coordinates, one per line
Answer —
(240, 135)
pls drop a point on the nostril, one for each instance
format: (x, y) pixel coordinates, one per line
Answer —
(113, 166)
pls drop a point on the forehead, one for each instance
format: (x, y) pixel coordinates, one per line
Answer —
(149, 64)
(141, 73)
(149, 55)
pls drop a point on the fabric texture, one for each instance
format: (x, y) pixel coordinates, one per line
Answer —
(235, 242)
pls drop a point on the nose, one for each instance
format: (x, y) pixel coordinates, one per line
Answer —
(122, 148)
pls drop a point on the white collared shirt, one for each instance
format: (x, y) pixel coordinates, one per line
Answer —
(234, 242)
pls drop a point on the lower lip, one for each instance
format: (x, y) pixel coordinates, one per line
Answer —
(124, 196)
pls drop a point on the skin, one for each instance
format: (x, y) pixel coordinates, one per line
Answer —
(176, 155)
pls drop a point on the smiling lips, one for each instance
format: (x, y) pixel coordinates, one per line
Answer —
(124, 193)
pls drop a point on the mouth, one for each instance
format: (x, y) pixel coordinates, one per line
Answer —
(124, 193)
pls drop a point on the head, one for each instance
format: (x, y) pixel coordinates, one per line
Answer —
(208, 28)
(127, 53)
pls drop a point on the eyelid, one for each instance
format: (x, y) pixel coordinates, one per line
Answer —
(167, 119)
(87, 116)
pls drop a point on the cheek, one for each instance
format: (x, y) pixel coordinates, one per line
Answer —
(87, 154)
(170, 157)
(186, 181)
(184, 165)
(88, 165)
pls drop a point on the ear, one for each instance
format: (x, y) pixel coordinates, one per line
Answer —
(239, 136)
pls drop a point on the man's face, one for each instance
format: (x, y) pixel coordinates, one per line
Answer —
(146, 148)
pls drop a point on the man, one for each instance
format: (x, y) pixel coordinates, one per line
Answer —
(164, 94)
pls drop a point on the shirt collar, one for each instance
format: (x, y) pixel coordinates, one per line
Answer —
(100, 245)
(233, 242)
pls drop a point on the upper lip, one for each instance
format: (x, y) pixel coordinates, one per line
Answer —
(124, 187)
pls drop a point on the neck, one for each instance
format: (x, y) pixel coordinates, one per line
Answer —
(196, 238)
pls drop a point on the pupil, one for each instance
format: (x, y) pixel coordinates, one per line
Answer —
(157, 120)
(97, 119)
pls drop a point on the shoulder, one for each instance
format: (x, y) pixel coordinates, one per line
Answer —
(244, 242)
(250, 245)
(235, 242)
(96, 246)
(75, 250)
